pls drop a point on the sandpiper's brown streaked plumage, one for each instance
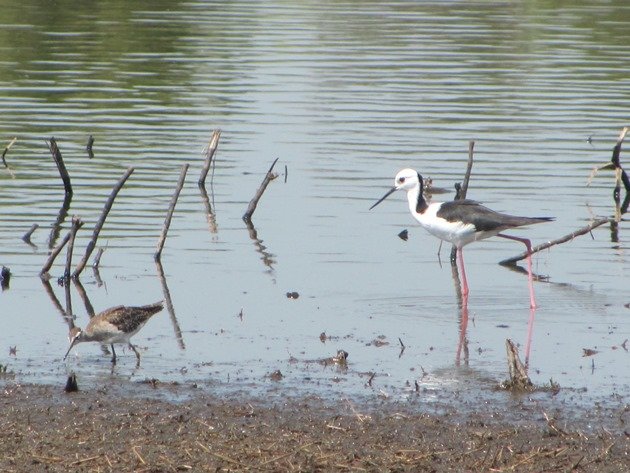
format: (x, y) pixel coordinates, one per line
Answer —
(115, 325)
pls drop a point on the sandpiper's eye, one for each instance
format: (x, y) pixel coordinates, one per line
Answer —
(401, 180)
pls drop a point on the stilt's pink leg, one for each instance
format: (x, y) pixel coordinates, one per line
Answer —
(460, 259)
(530, 332)
(530, 277)
(462, 329)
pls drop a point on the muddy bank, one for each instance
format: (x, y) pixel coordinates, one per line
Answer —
(45, 429)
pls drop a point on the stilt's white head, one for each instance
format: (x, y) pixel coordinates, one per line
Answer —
(406, 179)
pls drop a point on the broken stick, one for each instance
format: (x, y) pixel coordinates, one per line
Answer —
(621, 173)
(544, 246)
(169, 214)
(76, 224)
(463, 190)
(519, 380)
(97, 228)
(53, 254)
(209, 151)
(88, 146)
(247, 216)
(6, 150)
(27, 236)
(97, 258)
(63, 172)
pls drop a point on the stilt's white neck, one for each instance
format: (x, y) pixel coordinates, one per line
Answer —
(415, 199)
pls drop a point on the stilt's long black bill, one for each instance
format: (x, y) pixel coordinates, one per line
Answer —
(389, 192)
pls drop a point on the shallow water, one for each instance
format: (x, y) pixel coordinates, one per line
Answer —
(344, 94)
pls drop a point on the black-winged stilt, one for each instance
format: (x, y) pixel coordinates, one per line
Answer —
(461, 222)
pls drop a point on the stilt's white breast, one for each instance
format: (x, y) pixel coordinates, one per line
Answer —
(458, 233)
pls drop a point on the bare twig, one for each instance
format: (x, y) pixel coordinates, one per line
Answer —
(53, 254)
(209, 152)
(247, 216)
(463, 190)
(61, 217)
(76, 224)
(5, 277)
(88, 146)
(6, 150)
(97, 258)
(544, 246)
(169, 214)
(63, 172)
(27, 236)
(518, 373)
(99, 225)
(621, 174)
(471, 148)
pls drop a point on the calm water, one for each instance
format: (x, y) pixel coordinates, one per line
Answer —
(344, 94)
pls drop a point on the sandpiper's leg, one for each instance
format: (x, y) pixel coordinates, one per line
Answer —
(530, 277)
(460, 259)
(135, 351)
(113, 354)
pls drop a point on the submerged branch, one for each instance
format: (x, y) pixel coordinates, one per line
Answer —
(63, 172)
(171, 210)
(6, 150)
(101, 221)
(77, 223)
(544, 246)
(209, 151)
(247, 216)
(463, 190)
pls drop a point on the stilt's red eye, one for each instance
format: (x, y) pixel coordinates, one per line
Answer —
(401, 179)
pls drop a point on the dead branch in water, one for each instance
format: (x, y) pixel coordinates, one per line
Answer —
(471, 148)
(169, 214)
(519, 380)
(27, 236)
(51, 257)
(63, 172)
(270, 176)
(97, 258)
(99, 225)
(88, 146)
(6, 150)
(76, 224)
(620, 173)
(544, 246)
(5, 277)
(61, 217)
(463, 190)
(209, 151)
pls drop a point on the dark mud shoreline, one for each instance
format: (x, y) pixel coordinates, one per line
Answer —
(45, 429)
